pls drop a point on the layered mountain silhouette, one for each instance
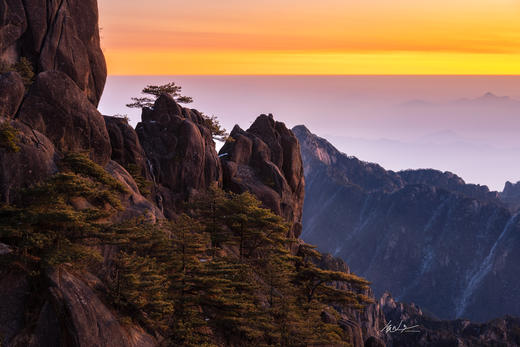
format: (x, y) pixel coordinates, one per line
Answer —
(424, 235)
(81, 194)
(488, 99)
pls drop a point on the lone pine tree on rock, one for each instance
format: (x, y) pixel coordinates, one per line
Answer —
(155, 91)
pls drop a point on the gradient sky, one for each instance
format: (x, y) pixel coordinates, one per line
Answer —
(311, 37)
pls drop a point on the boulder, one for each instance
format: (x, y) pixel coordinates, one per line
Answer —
(13, 24)
(265, 160)
(180, 150)
(12, 91)
(56, 107)
(32, 163)
(62, 36)
(126, 148)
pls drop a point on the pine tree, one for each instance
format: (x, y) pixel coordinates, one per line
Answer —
(140, 287)
(253, 227)
(46, 229)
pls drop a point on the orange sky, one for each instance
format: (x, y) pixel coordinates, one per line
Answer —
(159, 37)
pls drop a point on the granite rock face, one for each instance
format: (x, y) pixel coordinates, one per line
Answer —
(413, 233)
(134, 204)
(71, 315)
(364, 326)
(266, 161)
(126, 148)
(180, 152)
(57, 108)
(12, 91)
(34, 161)
(56, 35)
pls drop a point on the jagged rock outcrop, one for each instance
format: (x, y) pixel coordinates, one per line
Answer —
(180, 152)
(126, 148)
(447, 246)
(32, 163)
(266, 161)
(12, 91)
(57, 108)
(510, 196)
(364, 326)
(56, 35)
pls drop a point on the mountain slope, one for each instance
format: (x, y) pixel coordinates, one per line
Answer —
(425, 236)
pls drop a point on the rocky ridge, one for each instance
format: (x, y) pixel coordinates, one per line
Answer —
(172, 148)
(439, 234)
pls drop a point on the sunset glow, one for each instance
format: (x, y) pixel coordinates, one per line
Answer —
(311, 37)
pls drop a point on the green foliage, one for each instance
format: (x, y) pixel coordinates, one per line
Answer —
(123, 117)
(142, 183)
(45, 229)
(8, 136)
(81, 164)
(23, 66)
(217, 131)
(231, 277)
(155, 91)
(221, 274)
(140, 286)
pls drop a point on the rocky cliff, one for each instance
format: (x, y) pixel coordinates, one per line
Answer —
(160, 165)
(56, 36)
(510, 196)
(413, 233)
(42, 120)
(152, 171)
(180, 152)
(266, 161)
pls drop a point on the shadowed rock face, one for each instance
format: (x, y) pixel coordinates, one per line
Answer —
(12, 91)
(266, 161)
(180, 152)
(71, 315)
(56, 107)
(56, 35)
(34, 162)
(425, 236)
(126, 148)
(511, 195)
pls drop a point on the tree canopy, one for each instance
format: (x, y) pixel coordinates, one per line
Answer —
(220, 273)
(153, 92)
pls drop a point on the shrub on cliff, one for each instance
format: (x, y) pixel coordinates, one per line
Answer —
(8, 139)
(23, 66)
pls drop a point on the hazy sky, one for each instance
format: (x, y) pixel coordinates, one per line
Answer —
(311, 37)
(399, 122)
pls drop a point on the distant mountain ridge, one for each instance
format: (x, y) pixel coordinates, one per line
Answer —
(487, 99)
(414, 232)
